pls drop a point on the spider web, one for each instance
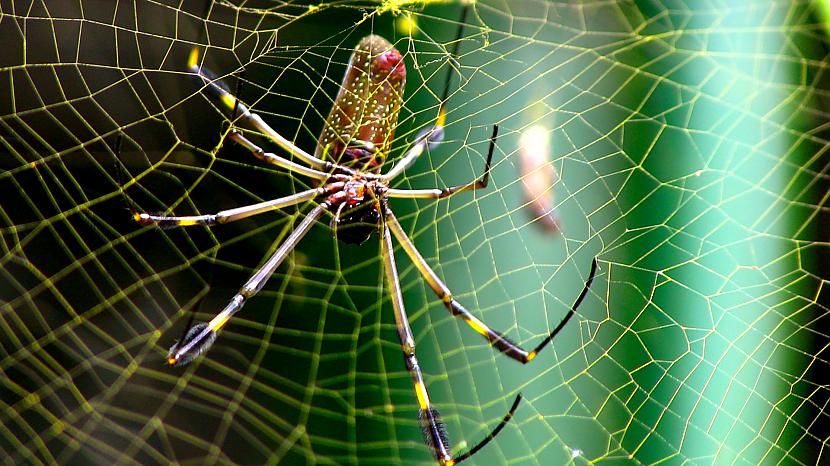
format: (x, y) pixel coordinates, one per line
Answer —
(688, 139)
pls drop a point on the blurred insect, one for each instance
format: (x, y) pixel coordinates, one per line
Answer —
(346, 164)
(538, 176)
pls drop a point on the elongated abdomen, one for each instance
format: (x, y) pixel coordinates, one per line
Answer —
(361, 125)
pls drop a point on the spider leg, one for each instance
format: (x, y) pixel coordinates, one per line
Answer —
(212, 87)
(493, 433)
(495, 338)
(202, 335)
(431, 136)
(441, 193)
(337, 213)
(275, 159)
(428, 137)
(432, 425)
(230, 215)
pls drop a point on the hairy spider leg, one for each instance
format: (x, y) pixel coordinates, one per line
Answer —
(441, 193)
(431, 136)
(432, 426)
(230, 215)
(211, 82)
(201, 336)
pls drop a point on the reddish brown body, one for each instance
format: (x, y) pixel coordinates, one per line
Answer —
(361, 125)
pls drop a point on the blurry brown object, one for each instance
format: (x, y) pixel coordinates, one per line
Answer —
(538, 176)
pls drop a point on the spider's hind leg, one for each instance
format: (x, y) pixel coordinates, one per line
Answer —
(496, 339)
(437, 193)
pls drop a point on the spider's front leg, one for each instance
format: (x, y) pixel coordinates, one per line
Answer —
(201, 336)
(214, 88)
(432, 426)
(441, 193)
(230, 215)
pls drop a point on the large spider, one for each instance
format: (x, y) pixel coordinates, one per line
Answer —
(346, 165)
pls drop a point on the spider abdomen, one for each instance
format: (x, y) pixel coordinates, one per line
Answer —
(367, 106)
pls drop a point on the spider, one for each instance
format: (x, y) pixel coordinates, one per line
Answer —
(346, 168)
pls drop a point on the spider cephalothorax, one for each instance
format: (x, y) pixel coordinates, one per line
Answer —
(358, 208)
(346, 173)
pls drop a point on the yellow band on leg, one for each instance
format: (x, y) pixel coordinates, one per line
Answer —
(219, 321)
(478, 326)
(423, 398)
